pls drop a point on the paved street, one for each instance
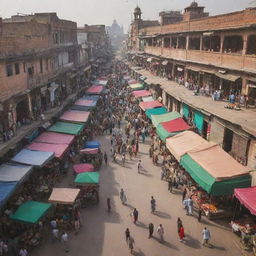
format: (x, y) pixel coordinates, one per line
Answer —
(103, 233)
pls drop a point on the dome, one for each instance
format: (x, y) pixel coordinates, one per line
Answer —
(137, 10)
(194, 4)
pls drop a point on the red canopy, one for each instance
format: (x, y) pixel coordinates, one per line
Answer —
(95, 89)
(150, 104)
(247, 197)
(75, 116)
(79, 168)
(55, 138)
(90, 151)
(175, 125)
(85, 103)
(141, 93)
(58, 149)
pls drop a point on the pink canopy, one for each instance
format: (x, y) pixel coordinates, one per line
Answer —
(58, 149)
(247, 197)
(95, 89)
(141, 93)
(90, 151)
(132, 81)
(79, 168)
(75, 116)
(175, 125)
(150, 104)
(84, 103)
(55, 138)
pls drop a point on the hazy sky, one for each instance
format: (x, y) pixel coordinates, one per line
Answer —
(104, 11)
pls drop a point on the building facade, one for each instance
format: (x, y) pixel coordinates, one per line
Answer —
(214, 56)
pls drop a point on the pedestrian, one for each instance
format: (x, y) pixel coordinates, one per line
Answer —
(121, 194)
(206, 236)
(77, 225)
(64, 240)
(53, 223)
(150, 229)
(135, 215)
(200, 211)
(160, 231)
(55, 234)
(184, 193)
(181, 233)
(153, 204)
(179, 224)
(139, 166)
(127, 235)
(131, 243)
(106, 158)
(108, 204)
(190, 205)
(23, 252)
(170, 184)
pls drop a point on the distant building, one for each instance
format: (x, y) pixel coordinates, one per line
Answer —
(116, 34)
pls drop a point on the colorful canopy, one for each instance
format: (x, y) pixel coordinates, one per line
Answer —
(150, 104)
(91, 97)
(68, 128)
(87, 178)
(141, 93)
(157, 119)
(137, 86)
(176, 125)
(31, 212)
(31, 157)
(80, 108)
(79, 168)
(147, 99)
(86, 103)
(55, 138)
(155, 111)
(12, 172)
(90, 151)
(178, 145)
(95, 89)
(163, 134)
(132, 81)
(92, 144)
(209, 183)
(6, 190)
(75, 116)
(102, 82)
(58, 149)
(64, 195)
(247, 197)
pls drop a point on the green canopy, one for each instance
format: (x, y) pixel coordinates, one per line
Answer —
(31, 212)
(155, 111)
(186, 111)
(163, 134)
(65, 127)
(137, 86)
(208, 183)
(87, 177)
(157, 119)
(199, 121)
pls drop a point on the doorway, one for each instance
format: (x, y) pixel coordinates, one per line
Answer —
(227, 140)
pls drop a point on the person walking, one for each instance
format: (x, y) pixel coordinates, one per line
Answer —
(153, 204)
(106, 158)
(160, 231)
(200, 211)
(179, 224)
(135, 215)
(150, 229)
(127, 235)
(131, 243)
(170, 184)
(206, 236)
(108, 204)
(64, 240)
(139, 166)
(184, 193)
(181, 233)
(55, 234)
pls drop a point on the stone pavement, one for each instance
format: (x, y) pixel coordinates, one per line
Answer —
(246, 118)
(102, 233)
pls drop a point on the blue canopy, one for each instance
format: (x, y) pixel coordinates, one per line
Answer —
(13, 172)
(32, 157)
(92, 144)
(6, 190)
(91, 97)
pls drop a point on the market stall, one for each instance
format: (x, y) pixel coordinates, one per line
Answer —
(75, 116)
(155, 111)
(55, 138)
(132, 81)
(67, 128)
(95, 89)
(136, 86)
(150, 104)
(91, 154)
(141, 93)
(92, 144)
(147, 99)
(157, 119)
(6, 190)
(79, 168)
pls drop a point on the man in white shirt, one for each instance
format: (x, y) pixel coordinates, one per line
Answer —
(53, 224)
(64, 240)
(23, 252)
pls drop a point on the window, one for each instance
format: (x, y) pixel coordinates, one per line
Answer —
(41, 65)
(31, 71)
(46, 64)
(9, 70)
(174, 42)
(182, 42)
(251, 45)
(24, 67)
(211, 43)
(194, 43)
(166, 42)
(17, 68)
(233, 44)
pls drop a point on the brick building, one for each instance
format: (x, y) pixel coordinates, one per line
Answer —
(216, 55)
(40, 65)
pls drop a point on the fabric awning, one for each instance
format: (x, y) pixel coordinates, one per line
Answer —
(32, 157)
(75, 116)
(55, 138)
(229, 77)
(86, 103)
(87, 178)
(31, 212)
(149, 59)
(155, 111)
(95, 89)
(64, 195)
(247, 197)
(132, 81)
(178, 145)
(150, 104)
(92, 144)
(79, 168)
(68, 128)
(141, 93)
(58, 149)
(89, 151)
(13, 173)
(163, 134)
(91, 97)
(6, 190)
(157, 119)
(165, 62)
(137, 86)
(147, 99)
(209, 183)
(176, 125)
(102, 82)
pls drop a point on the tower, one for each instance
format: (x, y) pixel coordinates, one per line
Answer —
(137, 13)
